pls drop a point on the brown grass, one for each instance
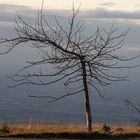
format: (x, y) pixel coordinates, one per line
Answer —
(31, 130)
(58, 128)
(41, 128)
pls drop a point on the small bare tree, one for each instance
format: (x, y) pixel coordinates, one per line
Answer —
(81, 61)
(134, 106)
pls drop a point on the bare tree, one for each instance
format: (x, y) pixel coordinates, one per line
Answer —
(134, 106)
(81, 61)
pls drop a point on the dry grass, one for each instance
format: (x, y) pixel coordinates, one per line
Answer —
(68, 131)
(58, 128)
(41, 128)
(125, 129)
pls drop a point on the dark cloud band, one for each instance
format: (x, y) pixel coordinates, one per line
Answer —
(10, 10)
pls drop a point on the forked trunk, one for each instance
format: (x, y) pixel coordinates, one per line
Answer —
(86, 99)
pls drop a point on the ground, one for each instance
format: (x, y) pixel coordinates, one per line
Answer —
(69, 131)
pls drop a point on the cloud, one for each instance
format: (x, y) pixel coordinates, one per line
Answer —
(103, 13)
(100, 16)
(10, 8)
(8, 12)
(108, 4)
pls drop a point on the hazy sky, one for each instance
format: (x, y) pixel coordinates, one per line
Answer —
(93, 12)
(125, 5)
(124, 13)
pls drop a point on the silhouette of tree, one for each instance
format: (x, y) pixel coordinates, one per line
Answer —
(134, 106)
(81, 61)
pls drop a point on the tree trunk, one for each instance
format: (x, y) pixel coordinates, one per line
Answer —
(86, 99)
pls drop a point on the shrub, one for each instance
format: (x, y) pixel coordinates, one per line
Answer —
(106, 129)
(5, 129)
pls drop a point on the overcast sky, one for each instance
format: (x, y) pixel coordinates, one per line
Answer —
(124, 13)
(124, 5)
(93, 12)
(105, 12)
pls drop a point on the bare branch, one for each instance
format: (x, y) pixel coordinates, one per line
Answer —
(129, 103)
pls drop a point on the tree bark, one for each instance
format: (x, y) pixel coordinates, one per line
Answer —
(86, 99)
